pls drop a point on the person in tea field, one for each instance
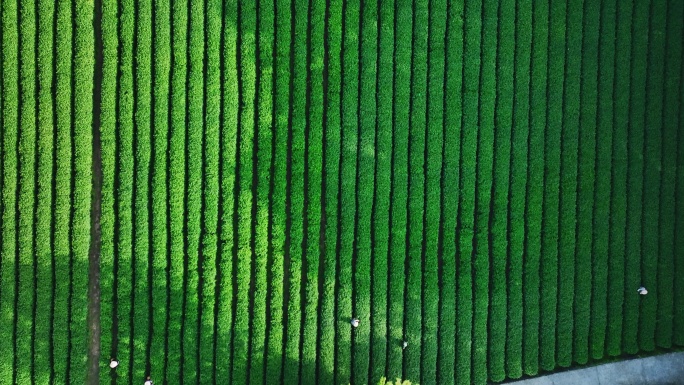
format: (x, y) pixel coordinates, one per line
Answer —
(355, 322)
(404, 345)
(642, 290)
(148, 381)
(113, 363)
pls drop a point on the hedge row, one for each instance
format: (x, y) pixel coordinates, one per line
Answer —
(62, 213)
(567, 227)
(10, 167)
(536, 276)
(263, 139)
(298, 72)
(247, 68)
(280, 110)
(380, 344)
(586, 178)
(365, 180)
(483, 187)
(470, 123)
(331, 159)
(26, 198)
(517, 195)
(653, 127)
(228, 135)
(108, 203)
(635, 186)
(349, 95)
(398, 213)
(618, 201)
(315, 173)
(432, 218)
(123, 240)
(83, 63)
(176, 204)
(670, 325)
(142, 224)
(552, 156)
(500, 203)
(678, 337)
(160, 193)
(604, 168)
(281, 79)
(210, 188)
(452, 127)
(416, 190)
(44, 359)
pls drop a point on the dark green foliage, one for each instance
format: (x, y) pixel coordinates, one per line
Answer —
(666, 265)
(618, 201)
(602, 193)
(586, 179)
(537, 274)
(503, 125)
(567, 209)
(652, 158)
(398, 213)
(635, 174)
(549, 259)
(450, 192)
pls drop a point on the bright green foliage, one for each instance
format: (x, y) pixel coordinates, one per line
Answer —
(245, 168)
(279, 181)
(469, 127)
(432, 216)
(365, 190)
(108, 154)
(10, 166)
(450, 193)
(159, 190)
(27, 156)
(263, 122)
(43, 232)
(397, 257)
(177, 186)
(314, 152)
(228, 166)
(487, 181)
(349, 121)
(416, 191)
(330, 184)
(142, 150)
(380, 227)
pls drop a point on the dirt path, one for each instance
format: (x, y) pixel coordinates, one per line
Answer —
(94, 331)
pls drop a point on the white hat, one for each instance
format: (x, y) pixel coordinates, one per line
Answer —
(642, 290)
(113, 363)
(148, 382)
